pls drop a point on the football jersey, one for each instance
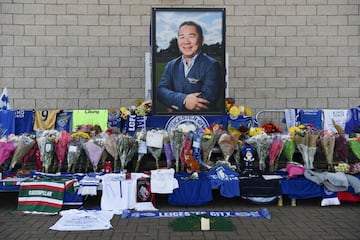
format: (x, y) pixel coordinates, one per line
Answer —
(7, 122)
(45, 119)
(24, 122)
(115, 120)
(63, 121)
(115, 192)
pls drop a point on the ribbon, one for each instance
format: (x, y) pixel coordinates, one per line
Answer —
(263, 213)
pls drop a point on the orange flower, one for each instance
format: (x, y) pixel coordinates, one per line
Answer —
(271, 128)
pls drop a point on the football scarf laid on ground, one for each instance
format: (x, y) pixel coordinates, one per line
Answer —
(263, 213)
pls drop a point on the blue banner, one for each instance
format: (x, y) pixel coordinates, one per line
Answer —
(135, 123)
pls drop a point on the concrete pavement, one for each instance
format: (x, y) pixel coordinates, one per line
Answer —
(308, 220)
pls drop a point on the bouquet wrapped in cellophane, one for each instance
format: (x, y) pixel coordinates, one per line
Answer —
(176, 139)
(61, 148)
(24, 145)
(168, 150)
(228, 144)
(154, 143)
(142, 148)
(127, 147)
(7, 148)
(327, 142)
(46, 142)
(275, 150)
(94, 149)
(261, 142)
(75, 147)
(110, 149)
(209, 138)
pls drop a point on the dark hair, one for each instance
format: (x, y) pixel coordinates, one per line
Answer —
(197, 26)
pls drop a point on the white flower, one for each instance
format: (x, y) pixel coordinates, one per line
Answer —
(187, 127)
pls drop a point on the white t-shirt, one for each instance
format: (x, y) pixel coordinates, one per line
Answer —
(162, 181)
(115, 192)
(119, 193)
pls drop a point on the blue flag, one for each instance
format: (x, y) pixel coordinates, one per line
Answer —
(4, 100)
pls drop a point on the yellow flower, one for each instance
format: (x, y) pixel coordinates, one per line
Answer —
(207, 131)
(234, 111)
(293, 130)
(248, 111)
(253, 131)
(80, 134)
(124, 112)
(112, 111)
(233, 131)
(138, 102)
(215, 127)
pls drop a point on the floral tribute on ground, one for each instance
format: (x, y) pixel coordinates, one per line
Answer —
(88, 148)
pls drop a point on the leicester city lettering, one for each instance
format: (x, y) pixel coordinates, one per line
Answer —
(132, 123)
(262, 213)
(135, 123)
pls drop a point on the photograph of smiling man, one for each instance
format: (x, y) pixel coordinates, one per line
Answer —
(188, 62)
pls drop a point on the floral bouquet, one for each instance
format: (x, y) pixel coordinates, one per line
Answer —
(209, 139)
(91, 130)
(46, 142)
(127, 147)
(61, 147)
(111, 148)
(30, 154)
(302, 144)
(94, 150)
(237, 153)
(73, 153)
(289, 149)
(275, 150)
(168, 150)
(354, 146)
(228, 144)
(261, 143)
(305, 138)
(185, 148)
(7, 149)
(342, 147)
(154, 143)
(327, 143)
(271, 128)
(313, 140)
(176, 139)
(142, 148)
(25, 144)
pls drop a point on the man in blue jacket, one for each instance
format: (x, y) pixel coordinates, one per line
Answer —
(191, 82)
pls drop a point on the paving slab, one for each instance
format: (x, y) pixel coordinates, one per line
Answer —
(308, 220)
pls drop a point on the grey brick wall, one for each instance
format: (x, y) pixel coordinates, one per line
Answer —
(70, 54)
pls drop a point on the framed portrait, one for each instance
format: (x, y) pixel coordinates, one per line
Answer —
(188, 61)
